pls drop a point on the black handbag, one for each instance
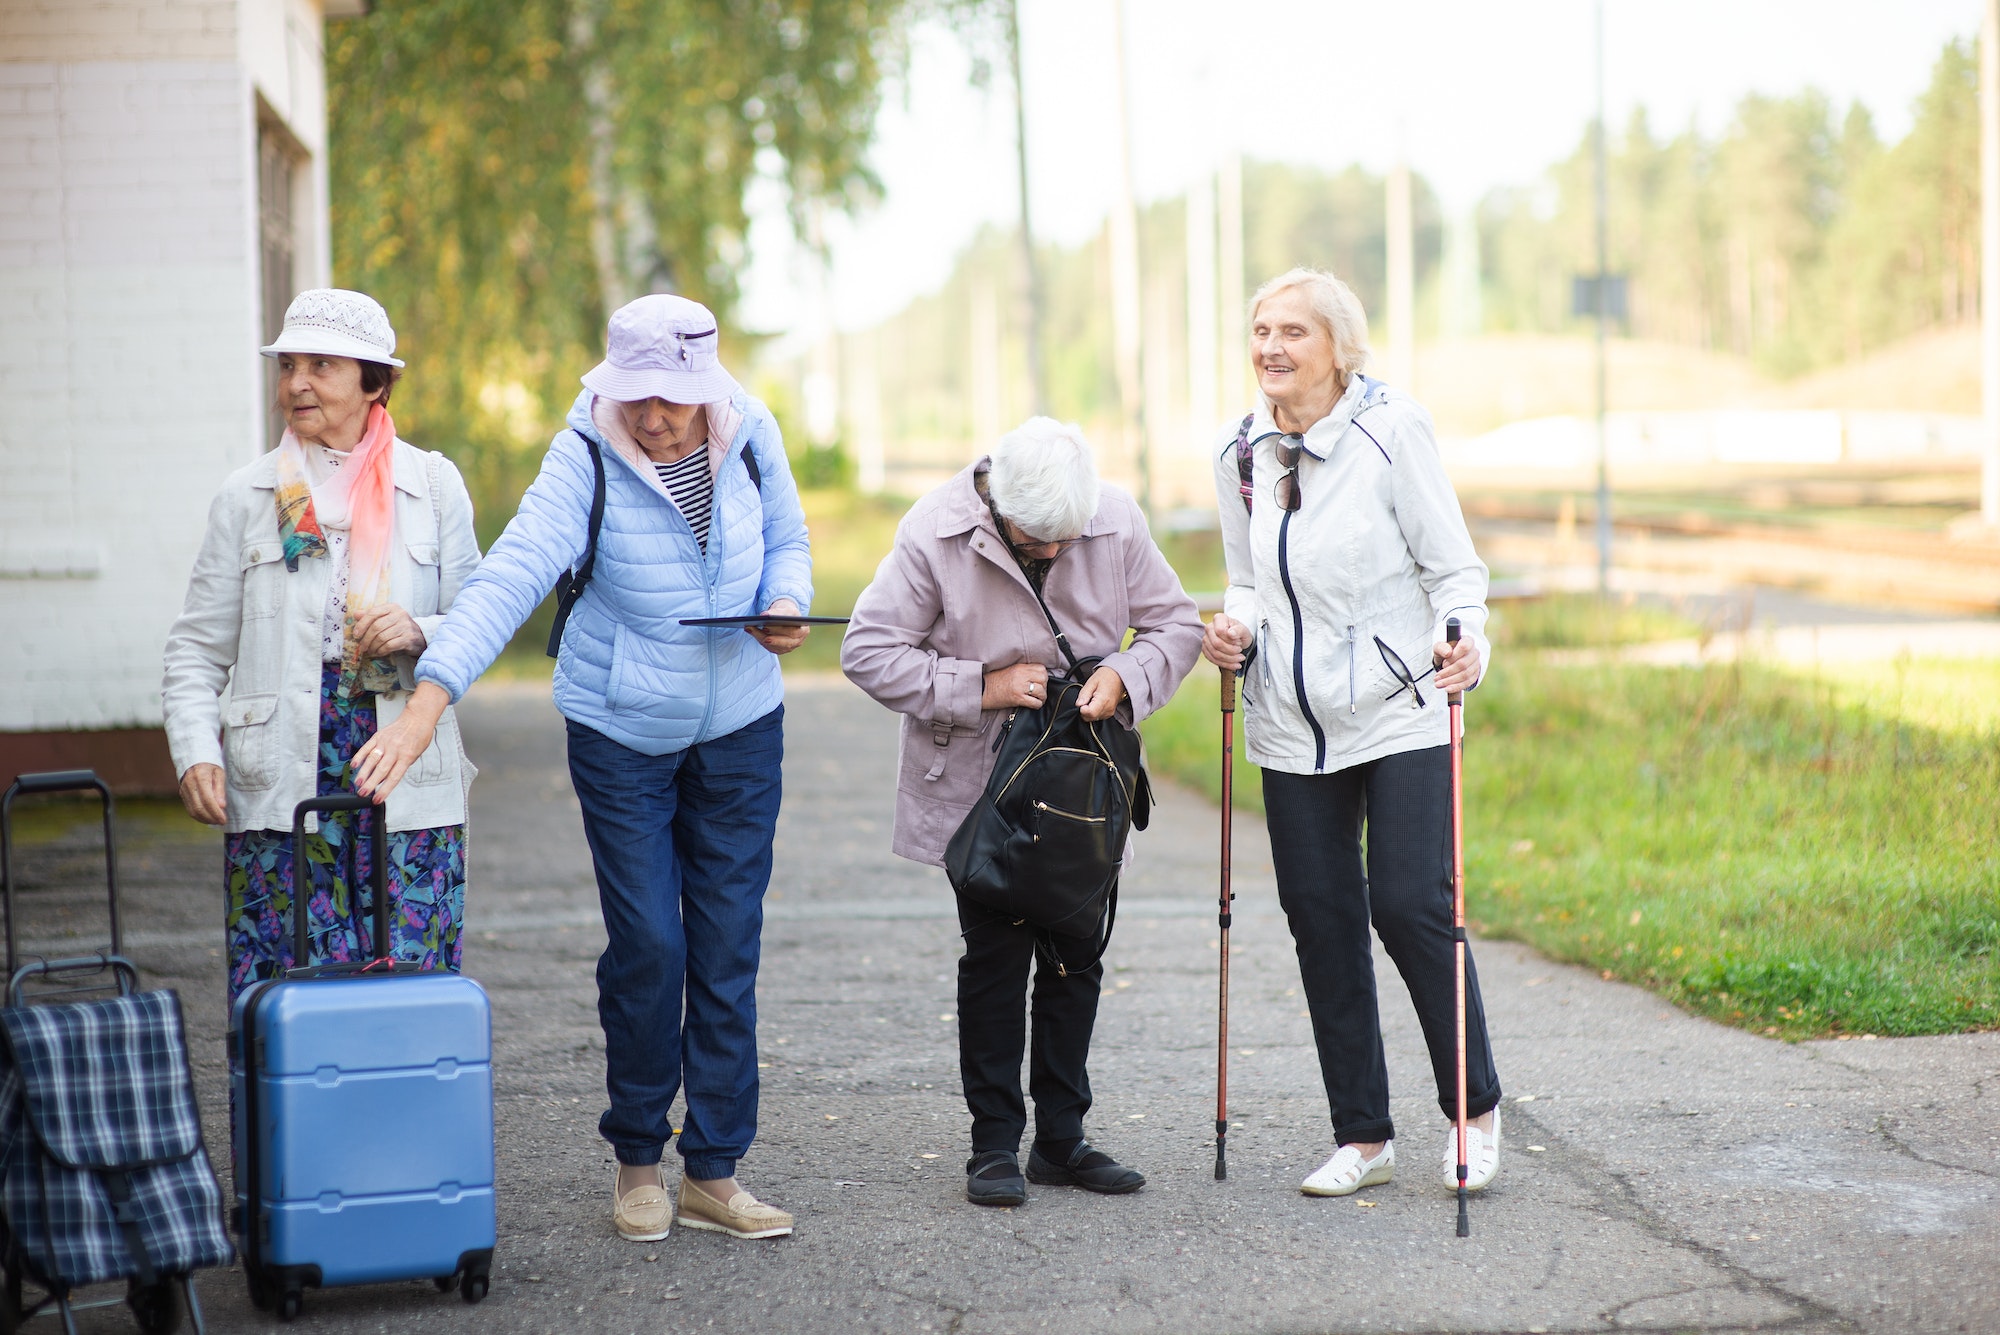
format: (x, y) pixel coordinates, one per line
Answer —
(1042, 845)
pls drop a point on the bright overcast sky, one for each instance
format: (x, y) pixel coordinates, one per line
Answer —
(1481, 94)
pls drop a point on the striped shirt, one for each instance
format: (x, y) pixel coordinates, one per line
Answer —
(693, 490)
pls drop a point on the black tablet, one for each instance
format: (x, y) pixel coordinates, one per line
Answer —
(768, 619)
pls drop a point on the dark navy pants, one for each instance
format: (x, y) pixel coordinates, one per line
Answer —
(682, 844)
(1330, 896)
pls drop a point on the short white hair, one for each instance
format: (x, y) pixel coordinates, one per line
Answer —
(1334, 303)
(1044, 479)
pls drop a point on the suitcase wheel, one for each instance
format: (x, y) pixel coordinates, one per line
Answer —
(156, 1307)
(445, 1283)
(290, 1304)
(472, 1288)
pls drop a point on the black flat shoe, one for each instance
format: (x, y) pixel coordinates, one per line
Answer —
(1093, 1170)
(993, 1177)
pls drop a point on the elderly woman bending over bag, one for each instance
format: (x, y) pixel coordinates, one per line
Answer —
(994, 627)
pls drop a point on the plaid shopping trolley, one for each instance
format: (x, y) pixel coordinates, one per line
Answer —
(103, 1173)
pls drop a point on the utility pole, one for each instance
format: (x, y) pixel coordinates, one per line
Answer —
(1989, 256)
(1603, 324)
(1124, 229)
(1031, 271)
(1203, 412)
(1229, 290)
(1402, 278)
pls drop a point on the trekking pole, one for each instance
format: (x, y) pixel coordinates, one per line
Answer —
(1223, 896)
(1456, 710)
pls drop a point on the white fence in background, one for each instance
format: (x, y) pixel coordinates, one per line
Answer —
(1692, 439)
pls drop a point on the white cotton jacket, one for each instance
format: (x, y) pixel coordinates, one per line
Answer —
(1378, 548)
(243, 660)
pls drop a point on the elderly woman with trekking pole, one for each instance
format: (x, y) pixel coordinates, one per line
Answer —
(999, 617)
(665, 500)
(1347, 557)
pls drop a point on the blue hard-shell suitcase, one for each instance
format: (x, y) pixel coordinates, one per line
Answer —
(364, 1117)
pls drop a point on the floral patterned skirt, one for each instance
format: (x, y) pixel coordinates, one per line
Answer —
(426, 872)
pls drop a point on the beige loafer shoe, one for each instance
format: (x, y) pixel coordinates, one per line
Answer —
(643, 1214)
(743, 1217)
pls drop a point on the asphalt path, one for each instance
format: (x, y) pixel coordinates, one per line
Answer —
(1659, 1172)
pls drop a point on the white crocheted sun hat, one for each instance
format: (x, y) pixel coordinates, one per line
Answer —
(337, 323)
(661, 346)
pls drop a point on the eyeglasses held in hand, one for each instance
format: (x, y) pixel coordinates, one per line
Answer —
(1401, 672)
(1289, 447)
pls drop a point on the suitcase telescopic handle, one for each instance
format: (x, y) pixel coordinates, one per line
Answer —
(378, 871)
(56, 781)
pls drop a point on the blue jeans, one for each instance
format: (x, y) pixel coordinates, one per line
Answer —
(682, 846)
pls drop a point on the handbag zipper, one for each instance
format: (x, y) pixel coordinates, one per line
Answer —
(1058, 811)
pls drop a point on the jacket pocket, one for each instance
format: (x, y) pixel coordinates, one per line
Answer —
(431, 765)
(249, 741)
(614, 681)
(263, 567)
(424, 578)
(1379, 679)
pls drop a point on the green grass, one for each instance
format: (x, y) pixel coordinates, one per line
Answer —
(1579, 621)
(1804, 856)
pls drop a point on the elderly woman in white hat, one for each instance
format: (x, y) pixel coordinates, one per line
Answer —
(326, 566)
(669, 497)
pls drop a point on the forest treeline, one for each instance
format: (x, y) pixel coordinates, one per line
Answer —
(1797, 237)
(504, 174)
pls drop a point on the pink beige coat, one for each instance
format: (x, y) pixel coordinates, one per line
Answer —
(949, 602)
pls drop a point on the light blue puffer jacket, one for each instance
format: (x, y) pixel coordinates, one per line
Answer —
(628, 668)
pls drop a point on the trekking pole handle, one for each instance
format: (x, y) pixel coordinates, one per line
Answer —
(1451, 633)
(1229, 690)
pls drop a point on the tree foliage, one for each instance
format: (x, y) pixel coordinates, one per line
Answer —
(504, 172)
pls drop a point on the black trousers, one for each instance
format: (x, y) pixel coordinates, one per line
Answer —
(1330, 896)
(994, 1010)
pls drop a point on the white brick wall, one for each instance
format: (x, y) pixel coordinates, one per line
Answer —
(129, 381)
(74, 30)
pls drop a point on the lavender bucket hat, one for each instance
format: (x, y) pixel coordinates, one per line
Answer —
(661, 347)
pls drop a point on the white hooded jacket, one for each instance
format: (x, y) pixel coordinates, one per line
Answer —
(1378, 549)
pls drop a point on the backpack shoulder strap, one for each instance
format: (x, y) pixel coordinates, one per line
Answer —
(750, 467)
(570, 584)
(1246, 462)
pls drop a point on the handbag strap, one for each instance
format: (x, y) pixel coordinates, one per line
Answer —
(571, 584)
(1045, 944)
(1062, 640)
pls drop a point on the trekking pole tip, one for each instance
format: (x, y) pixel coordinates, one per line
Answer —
(1464, 1219)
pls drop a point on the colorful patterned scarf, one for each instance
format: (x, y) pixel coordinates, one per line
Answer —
(360, 497)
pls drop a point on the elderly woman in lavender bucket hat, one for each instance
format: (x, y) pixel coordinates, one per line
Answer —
(675, 731)
(325, 567)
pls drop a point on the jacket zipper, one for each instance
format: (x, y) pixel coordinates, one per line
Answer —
(1299, 641)
(1350, 670)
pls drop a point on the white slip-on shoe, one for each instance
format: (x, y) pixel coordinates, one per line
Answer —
(1347, 1172)
(1482, 1154)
